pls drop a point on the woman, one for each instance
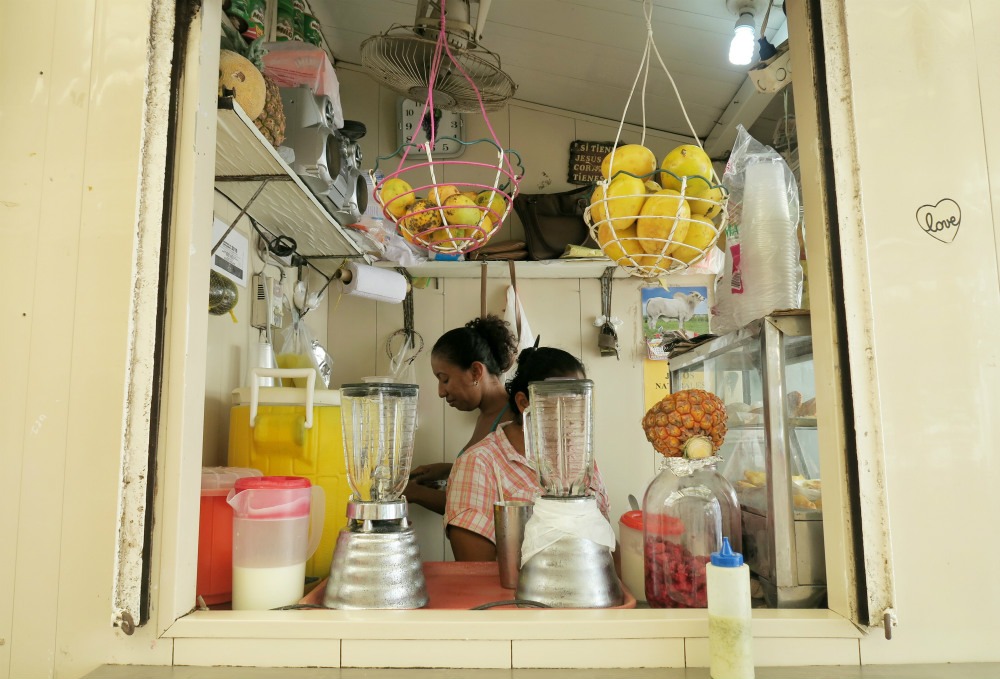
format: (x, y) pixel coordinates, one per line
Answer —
(472, 485)
(468, 363)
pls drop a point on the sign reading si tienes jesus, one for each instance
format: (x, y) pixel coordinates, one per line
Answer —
(585, 159)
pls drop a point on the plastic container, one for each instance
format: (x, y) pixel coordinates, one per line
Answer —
(730, 637)
(686, 510)
(268, 431)
(630, 541)
(277, 523)
(215, 533)
(285, 21)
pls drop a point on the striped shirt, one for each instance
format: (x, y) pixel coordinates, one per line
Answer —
(473, 484)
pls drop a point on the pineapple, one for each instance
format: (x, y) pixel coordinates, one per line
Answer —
(690, 423)
(269, 116)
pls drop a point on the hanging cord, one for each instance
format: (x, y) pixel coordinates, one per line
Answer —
(647, 10)
(607, 341)
(517, 299)
(767, 14)
(413, 341)
(482, 290)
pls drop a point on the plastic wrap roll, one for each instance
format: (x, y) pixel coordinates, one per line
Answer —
(382, 285)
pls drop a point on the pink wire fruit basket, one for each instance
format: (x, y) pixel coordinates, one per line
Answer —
(437, 204)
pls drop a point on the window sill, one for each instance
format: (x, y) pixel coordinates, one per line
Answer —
(509, 625)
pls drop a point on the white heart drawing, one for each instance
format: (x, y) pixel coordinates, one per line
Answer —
(940, 221)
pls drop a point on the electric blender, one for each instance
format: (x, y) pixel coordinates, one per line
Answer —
(377, 561)
(567, 547)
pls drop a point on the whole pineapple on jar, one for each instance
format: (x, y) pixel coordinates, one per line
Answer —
(263, 95)
(689, 507)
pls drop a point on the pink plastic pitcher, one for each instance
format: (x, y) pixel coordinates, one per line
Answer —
(277, 525)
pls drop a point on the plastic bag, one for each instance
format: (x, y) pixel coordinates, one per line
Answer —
(552, 520)
(762, 272)
(299, 349)
(399, 251)
(293, 63)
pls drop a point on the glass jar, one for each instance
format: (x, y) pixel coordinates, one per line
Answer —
(687, 510)
(379, 422)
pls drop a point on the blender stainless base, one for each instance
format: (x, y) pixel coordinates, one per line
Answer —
(572, 572)
(377, 562)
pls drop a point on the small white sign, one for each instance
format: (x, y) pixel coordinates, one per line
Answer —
(230, 259)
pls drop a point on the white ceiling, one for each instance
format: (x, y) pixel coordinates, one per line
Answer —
(583, 55)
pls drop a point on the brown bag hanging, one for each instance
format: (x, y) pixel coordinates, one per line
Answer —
(554, 220)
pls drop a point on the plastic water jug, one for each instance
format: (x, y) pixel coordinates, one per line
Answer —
(277, 524)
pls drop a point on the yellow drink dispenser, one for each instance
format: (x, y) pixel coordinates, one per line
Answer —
(294, 431)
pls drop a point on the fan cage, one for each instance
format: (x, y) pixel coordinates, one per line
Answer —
(647, 243)
(402, 62)
(437, 224)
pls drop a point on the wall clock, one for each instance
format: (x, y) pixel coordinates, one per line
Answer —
(446, 124)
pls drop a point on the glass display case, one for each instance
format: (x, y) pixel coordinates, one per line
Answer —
(763, 372)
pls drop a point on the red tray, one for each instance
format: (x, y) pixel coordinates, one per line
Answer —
(460, 585)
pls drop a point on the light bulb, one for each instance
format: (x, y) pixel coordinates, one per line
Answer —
(744, 41)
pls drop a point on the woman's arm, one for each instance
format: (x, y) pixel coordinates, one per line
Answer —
(425, 496)
(469, 546)
(420, 491)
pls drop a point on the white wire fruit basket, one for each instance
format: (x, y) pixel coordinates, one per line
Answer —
(649, 217)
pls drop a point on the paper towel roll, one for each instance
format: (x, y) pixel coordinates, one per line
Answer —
(382, 285)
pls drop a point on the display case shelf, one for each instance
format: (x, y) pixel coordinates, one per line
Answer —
(250, 173)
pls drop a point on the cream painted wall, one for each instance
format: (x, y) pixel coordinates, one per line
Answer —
(74, 95)
(923, 93)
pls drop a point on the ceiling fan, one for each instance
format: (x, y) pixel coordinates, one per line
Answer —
(403, 58)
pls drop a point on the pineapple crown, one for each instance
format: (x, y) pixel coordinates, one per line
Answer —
(232, 40)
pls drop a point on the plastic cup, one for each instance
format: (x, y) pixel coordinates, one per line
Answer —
(764, 192)
(509, 519)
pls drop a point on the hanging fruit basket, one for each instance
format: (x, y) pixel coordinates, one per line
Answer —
(448, 206)
(453, 217)
(650, 217)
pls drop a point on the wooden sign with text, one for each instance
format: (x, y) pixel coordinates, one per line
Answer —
(585, 159)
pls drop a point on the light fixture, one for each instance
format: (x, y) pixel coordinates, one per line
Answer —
(744, 39)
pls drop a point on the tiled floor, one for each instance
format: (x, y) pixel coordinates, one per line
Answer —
(957, 671)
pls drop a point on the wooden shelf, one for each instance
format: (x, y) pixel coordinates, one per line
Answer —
(554, 268)
(246, 164)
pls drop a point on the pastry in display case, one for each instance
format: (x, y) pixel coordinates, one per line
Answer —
(763, 372)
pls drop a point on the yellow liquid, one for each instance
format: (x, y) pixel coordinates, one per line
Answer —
(730, 648)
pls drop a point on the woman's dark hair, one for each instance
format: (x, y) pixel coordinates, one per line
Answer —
(540, 363)
(487, 340)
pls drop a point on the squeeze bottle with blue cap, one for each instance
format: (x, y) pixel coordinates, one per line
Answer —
(730, 640)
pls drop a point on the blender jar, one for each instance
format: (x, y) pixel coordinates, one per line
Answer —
(379, 422)
(559, 423)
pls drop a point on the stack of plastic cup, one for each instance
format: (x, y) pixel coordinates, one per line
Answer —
(769, 246)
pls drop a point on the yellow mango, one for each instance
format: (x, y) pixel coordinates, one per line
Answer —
(622, 204)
